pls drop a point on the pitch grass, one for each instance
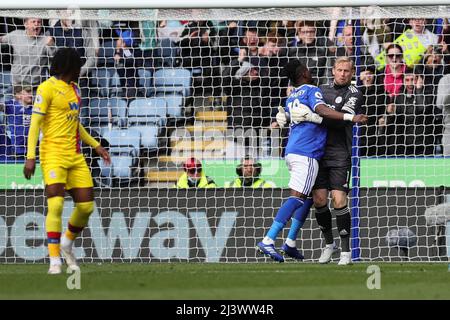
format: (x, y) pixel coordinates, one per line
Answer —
(227, 281)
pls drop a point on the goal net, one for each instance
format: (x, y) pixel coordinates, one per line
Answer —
(161, 86)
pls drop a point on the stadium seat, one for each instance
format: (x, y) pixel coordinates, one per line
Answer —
(174, 80)
(106, 54)
(123, 138)
(175, 103)
(147, 115)
(106, 82)
(5, 85)
(124, 152)
(100, 81)
(103, 111)
(146, 81)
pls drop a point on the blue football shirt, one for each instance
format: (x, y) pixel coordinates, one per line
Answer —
(306, 138)
(18, 118)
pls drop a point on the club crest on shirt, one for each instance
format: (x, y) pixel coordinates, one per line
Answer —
(52, 174)
(38, 99)
(318, 95)
(338, 99)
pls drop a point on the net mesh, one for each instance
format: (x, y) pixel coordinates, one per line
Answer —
(160, 86)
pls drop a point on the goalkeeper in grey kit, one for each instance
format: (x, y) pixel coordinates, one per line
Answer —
(335, 167)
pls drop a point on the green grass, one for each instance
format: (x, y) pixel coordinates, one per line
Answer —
(227, 281)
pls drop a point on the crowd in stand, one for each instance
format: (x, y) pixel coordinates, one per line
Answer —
(238, 66)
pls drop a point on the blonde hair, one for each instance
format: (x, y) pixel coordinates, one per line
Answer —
(344, 60)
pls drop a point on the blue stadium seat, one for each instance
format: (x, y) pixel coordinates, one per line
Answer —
(106, 54)
(122, 138)
(100, 81)
(148, 110)
(146, 81)
(103, 111)
(174, 80)
(115, 88)
(106, 82)
(5, 86)
(124, 152)
(147, 115)
(175, 103)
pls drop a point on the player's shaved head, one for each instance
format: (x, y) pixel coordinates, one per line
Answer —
(298, 73)
(66, 64)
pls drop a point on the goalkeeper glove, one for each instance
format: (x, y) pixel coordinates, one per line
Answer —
(304, 113)
(282, 117)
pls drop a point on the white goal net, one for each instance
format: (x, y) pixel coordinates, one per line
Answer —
(161, 86)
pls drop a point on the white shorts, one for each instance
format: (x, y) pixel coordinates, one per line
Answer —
(303, 171)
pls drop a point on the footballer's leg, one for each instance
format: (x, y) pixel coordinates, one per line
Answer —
(289, 247)
(53, 224)
(83, 198)
(303, 171)
(339, 180)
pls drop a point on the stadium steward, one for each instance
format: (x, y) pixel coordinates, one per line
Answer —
(194, 176)
(248, 175)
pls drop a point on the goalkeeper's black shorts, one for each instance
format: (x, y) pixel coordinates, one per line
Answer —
(333, 178)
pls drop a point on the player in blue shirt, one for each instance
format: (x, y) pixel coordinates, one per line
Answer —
(18, 118)
(305, 147)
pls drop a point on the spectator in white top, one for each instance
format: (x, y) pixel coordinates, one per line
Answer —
(426, 37)
(32, 51)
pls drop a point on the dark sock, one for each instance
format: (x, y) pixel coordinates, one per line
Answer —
(323, 217)
(344, 226)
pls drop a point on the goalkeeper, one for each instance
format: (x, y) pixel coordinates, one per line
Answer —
(305, 148)
(335, 166)
(56, 112)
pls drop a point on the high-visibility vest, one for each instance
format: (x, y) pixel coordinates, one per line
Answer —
(204, 182)
(413, 49)
(260, 183)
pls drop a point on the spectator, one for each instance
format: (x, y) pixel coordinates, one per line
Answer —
(409, 120)
(84, 37)
(374, 107)
(128, 57)
(443, 103)
(426, 37)
(249, 44)
(229, 43)
(375, 34)
(391, 78)
(169, 32)
(248, 98)
(346, 49)
(274, 51)
(32, 51)
(81, 35)
(311, 51)
(433, 69)
(249, 172)
(18, 118)
(199, 56)
(194, 176)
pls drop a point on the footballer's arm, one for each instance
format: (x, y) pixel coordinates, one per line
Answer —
(33, 137)
(327, 113)
(89, 140)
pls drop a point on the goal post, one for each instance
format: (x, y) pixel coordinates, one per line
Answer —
(164, 81)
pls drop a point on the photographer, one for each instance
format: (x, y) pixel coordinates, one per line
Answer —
(248, 172)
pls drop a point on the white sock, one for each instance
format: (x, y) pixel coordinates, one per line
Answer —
(55, 261)
(268, 241)
(290, 242)
(66, 242)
